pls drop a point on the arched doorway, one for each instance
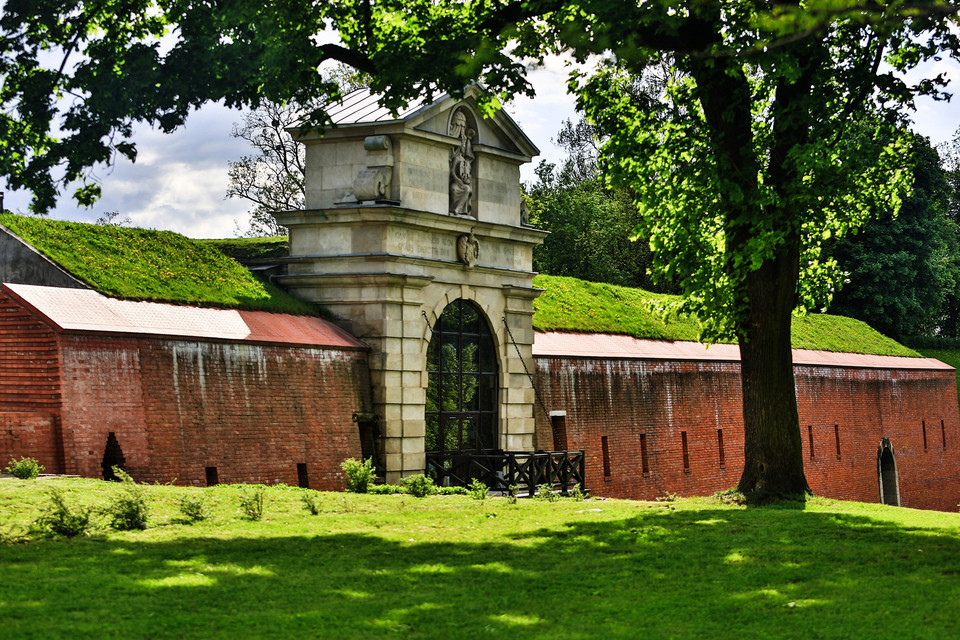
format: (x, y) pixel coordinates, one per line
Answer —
(887, 472)
(461, 404)
(112, 457)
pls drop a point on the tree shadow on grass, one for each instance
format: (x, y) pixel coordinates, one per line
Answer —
(660, 574)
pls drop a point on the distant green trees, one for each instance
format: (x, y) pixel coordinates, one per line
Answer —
(590, 224)
(903, 272)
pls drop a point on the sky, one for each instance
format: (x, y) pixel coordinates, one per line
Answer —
(179, 180)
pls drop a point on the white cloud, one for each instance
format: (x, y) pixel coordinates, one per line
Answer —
(177, 183)
(542, 116)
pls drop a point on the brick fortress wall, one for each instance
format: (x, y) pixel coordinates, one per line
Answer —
(177, 408)
(29, 389)
(654, 427)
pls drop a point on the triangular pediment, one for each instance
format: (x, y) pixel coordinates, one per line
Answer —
(361, 108)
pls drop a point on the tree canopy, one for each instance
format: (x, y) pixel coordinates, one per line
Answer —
(76, 75)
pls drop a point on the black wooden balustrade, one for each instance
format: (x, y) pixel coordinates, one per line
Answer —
(499, 470)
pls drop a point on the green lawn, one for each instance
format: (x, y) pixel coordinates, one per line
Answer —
(449, 567)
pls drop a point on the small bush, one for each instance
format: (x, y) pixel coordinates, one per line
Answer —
(193, 509)
(128, 511)
(514, 490)
(60, 520)
(452, 491)
(311, 502)
(251, 503)
(360, 474)
(578, 494)
(728, 496)
(24, 468)
(478, 489)
(545, 493)
(419, 486)
(384, 489)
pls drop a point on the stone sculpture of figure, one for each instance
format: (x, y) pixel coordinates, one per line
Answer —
(461, 165)
(468, 249)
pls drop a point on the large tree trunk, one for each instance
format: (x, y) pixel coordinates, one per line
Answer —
(773, 454)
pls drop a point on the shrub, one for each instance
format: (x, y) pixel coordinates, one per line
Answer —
(24, 468)
(514, 490)
(478, 489)
(545, 493)
(193, 509)
(60, 520)
(384, 489)
(419, 486)
(452, 491)
(251, 503)
(578, 494)
(128, 511)
(360, 474)
(311, 502)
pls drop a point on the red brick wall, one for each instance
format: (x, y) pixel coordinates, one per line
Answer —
(622, 399)
(29, 388)
(102, 392)
(177, 407)
(865, 405)
(32, 435)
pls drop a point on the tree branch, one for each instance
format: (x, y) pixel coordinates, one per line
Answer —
(349, 57)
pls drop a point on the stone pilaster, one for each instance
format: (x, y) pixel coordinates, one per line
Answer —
(385, 311)
(518, 397)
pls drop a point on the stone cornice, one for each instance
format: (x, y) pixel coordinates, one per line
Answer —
(389, 214)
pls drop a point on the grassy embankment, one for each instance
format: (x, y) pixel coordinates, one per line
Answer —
(568, 304)
(450, 567)
(143, 264)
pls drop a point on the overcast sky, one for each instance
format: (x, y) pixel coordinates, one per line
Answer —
(179, 180)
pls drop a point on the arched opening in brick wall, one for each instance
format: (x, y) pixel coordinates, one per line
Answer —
(887, 472)
(462, 372)
(112, 457)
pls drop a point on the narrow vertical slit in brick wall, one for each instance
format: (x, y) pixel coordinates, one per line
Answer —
(943, 434)
(723, 458)
(923, 430)
(810, 440)
(644, 463)
(112, 457)
(686, 453)
(605, 447)
(370, 443)
(213, 478)
(303, 480)
(836, 435)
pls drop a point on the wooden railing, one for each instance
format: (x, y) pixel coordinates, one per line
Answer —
(500, 469)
